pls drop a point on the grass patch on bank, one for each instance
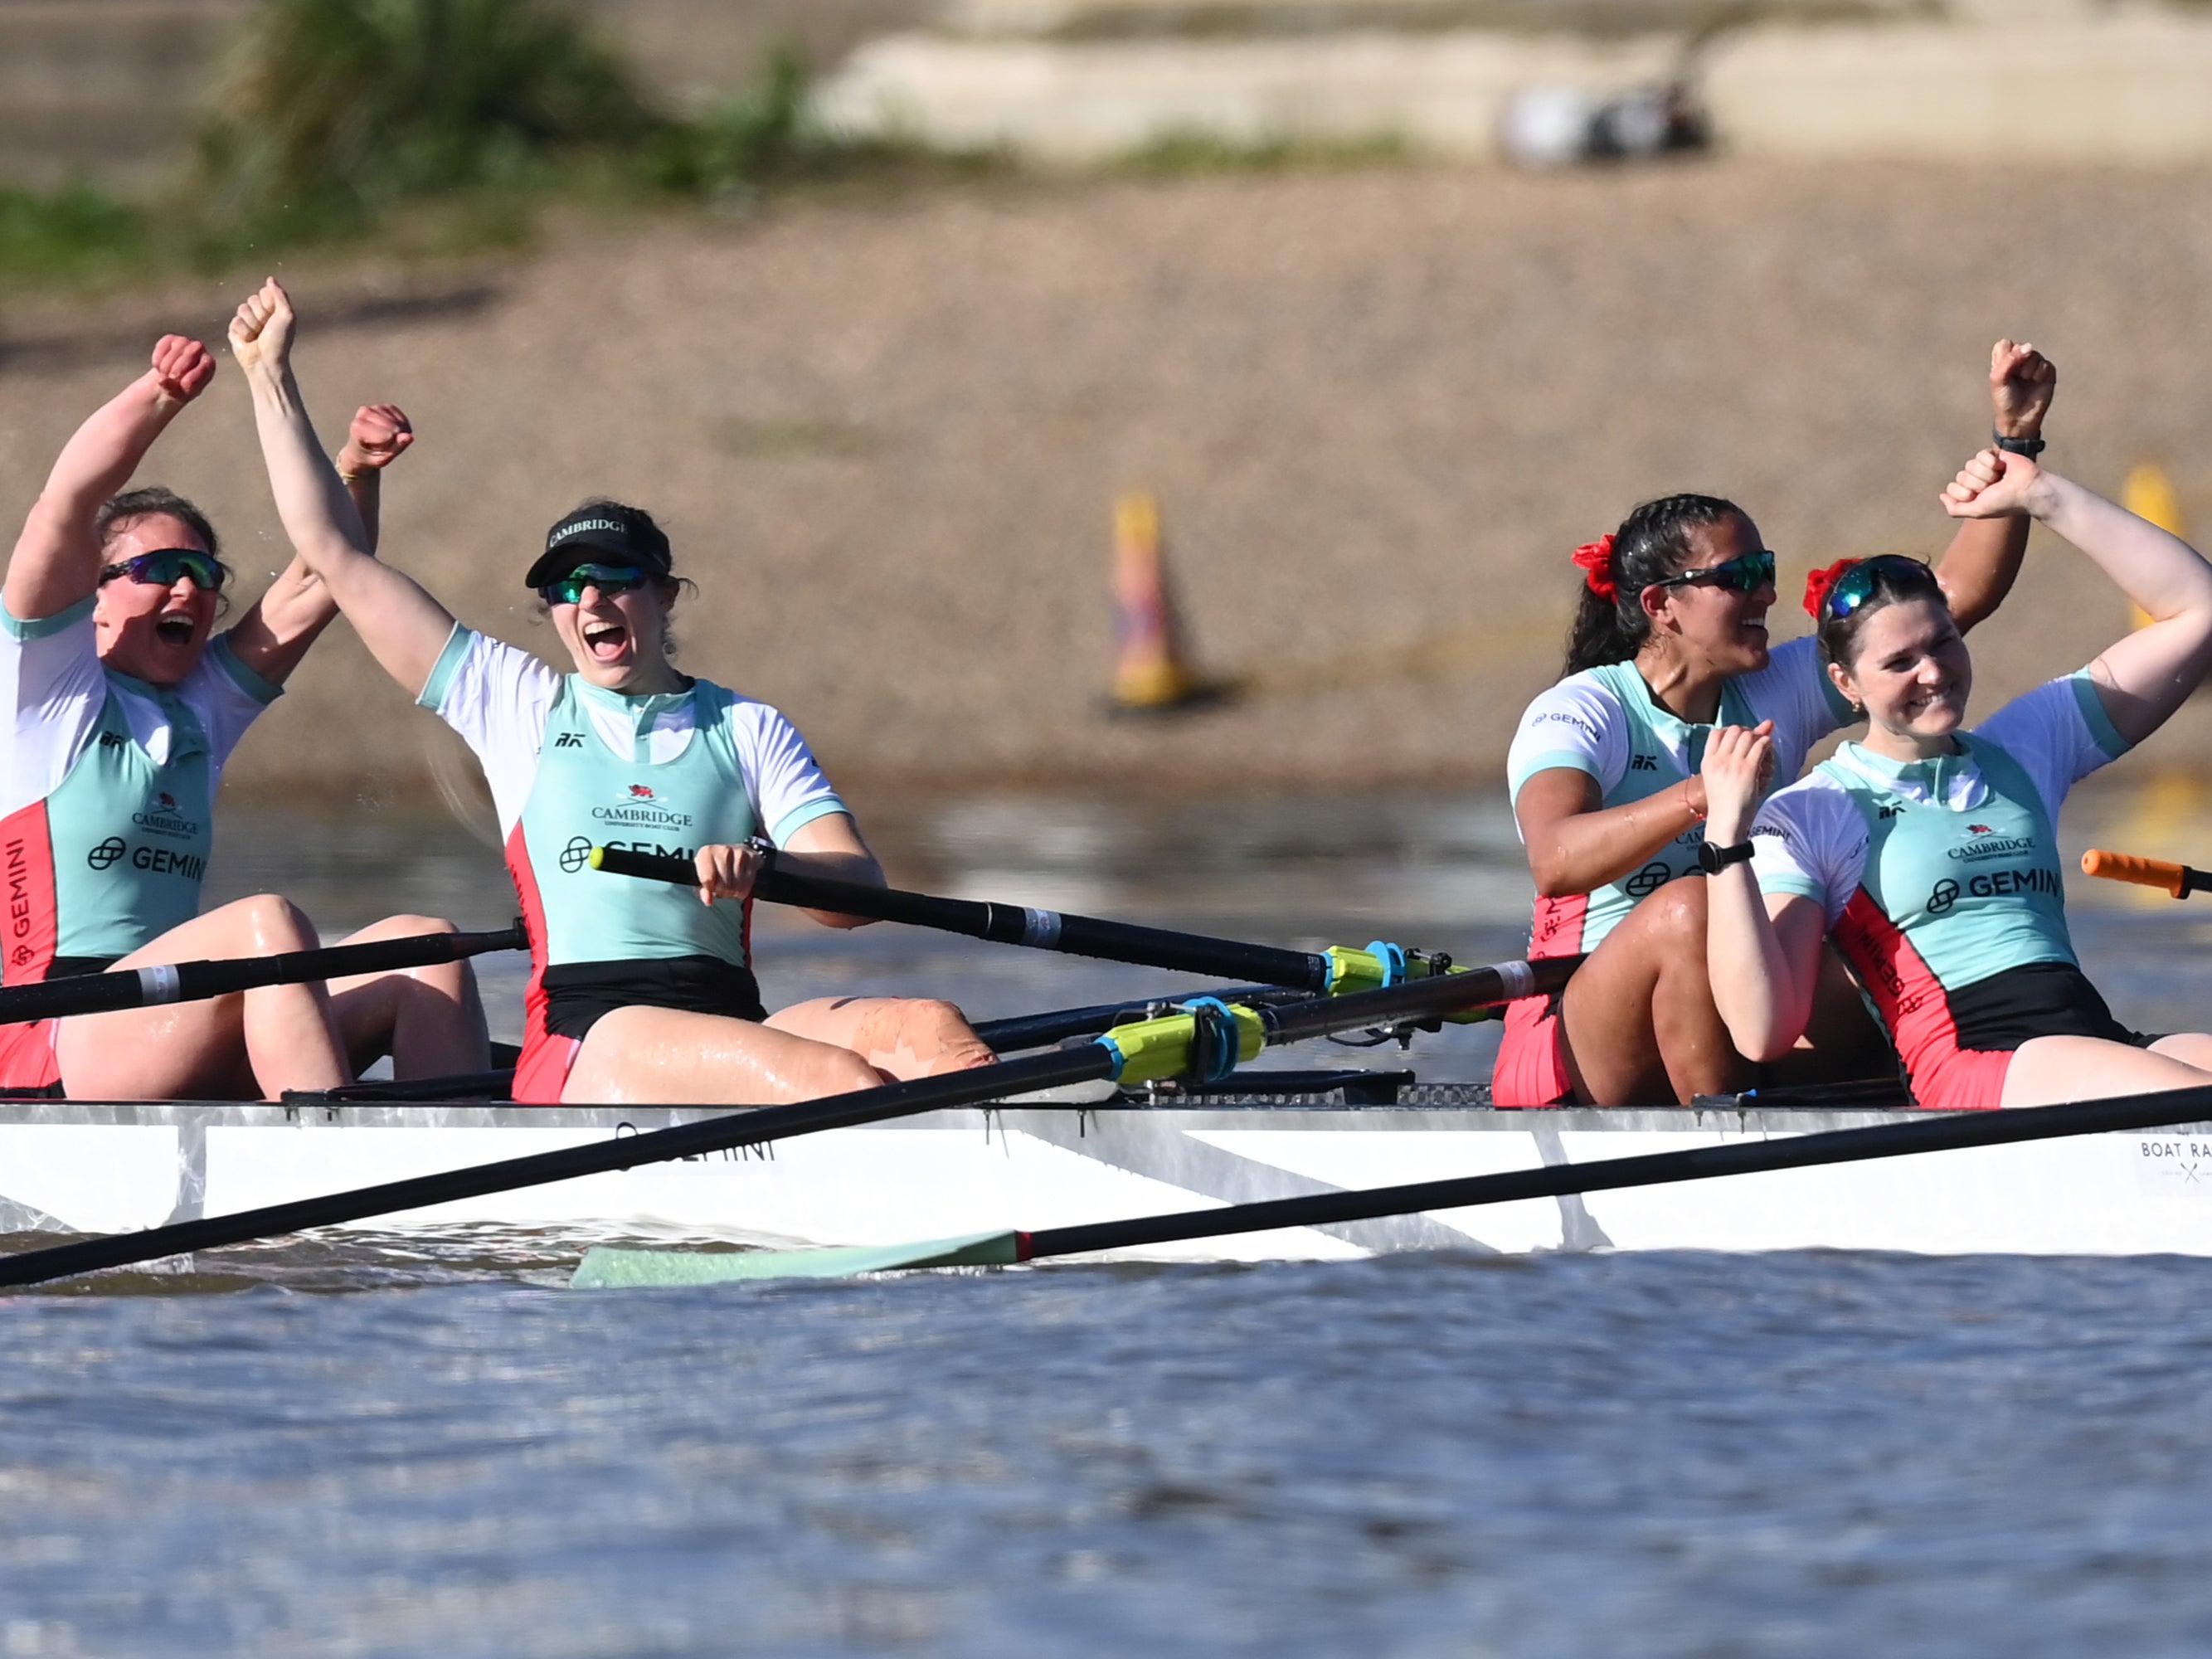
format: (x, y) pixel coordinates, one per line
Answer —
(422, 127)
(76, 236)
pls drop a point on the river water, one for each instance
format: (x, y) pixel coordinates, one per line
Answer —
(398, 1445)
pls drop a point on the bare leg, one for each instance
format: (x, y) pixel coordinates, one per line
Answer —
(905, 1037)
(641, 1055)
(429, 1020)
(2190, 1048)
(1638, 1016)
(253, 1045)
(2047, 1070)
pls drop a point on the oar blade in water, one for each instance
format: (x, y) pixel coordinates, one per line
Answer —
(607, 1268)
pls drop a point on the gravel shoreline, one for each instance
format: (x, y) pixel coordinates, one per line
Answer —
(1380, 407)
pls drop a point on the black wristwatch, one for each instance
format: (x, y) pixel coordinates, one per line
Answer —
(1713, 859)
(2030, 447)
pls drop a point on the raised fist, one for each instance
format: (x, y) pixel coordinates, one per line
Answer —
(2021, 381)
(380, 433)
(1990, 485)
(261, 332)
(182, 367)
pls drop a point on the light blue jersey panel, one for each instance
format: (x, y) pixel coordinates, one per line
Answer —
(585, 795)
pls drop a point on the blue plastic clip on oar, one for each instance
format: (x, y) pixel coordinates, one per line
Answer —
(1145, 1052)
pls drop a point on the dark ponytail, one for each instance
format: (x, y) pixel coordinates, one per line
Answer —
(1652, 543)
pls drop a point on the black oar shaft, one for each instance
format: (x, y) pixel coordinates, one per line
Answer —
(1949, 1132)
(1006, 924)
(193, 981)
(1417, 999)
(738, 1128)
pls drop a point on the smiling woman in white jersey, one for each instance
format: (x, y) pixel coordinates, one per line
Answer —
(120, 711)
(1670, 638)
(639, 991)
(1929, 853)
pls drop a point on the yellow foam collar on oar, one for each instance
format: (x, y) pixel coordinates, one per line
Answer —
(605, 1268)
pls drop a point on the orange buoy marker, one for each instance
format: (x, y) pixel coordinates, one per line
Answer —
(1150, 674)
(2149, 493)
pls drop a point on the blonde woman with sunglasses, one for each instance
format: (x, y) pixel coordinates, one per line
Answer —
(122, 705)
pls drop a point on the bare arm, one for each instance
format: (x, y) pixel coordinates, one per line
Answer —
(828, 847)
(1762, 953)
(403, 626)
(57, 558)
(273, 636)
(2144, 677)
(1977, 570)
(1574, 845)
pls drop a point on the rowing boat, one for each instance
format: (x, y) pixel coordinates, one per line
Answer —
(102, 1167)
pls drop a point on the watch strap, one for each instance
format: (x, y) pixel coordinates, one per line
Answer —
(1713, 859)
(2030, 447)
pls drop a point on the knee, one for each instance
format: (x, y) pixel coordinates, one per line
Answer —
(939, 1018)
(1678, 917)
(842, 1071)
(276, 924)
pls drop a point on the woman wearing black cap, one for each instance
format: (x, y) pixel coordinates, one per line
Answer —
(638, 991)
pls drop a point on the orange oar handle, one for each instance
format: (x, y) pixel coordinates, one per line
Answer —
(2178, 879)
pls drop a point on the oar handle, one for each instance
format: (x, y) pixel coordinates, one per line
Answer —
(195, 981)
(1004, 924)
(2177, 879)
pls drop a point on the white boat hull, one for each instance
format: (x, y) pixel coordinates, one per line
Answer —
(94, 1168)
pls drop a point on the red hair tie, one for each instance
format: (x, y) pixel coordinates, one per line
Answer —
(1818, 583)
(1596, 558)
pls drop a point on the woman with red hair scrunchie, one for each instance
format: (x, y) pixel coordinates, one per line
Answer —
(1669, 642)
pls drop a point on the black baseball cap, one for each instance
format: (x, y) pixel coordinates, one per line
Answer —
(621, 533)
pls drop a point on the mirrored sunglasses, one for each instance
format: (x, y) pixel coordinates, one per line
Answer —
(1747, 573)
(161, 568)
(607, 578)
(1857, 586)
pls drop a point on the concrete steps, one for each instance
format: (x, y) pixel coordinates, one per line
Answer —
(2124, 83)
(104, 89)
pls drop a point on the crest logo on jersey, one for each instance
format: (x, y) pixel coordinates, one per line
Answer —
(639, 807)
(162, 816)
(1979, 829)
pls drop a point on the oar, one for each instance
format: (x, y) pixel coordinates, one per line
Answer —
(1208, 1037)
(193, 981)
(1337, 970)
(2177, 879)
(605, 1268)
(1020, 1031)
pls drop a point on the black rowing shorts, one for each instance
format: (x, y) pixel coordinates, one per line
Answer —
(2041, 999)
(578, 992)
